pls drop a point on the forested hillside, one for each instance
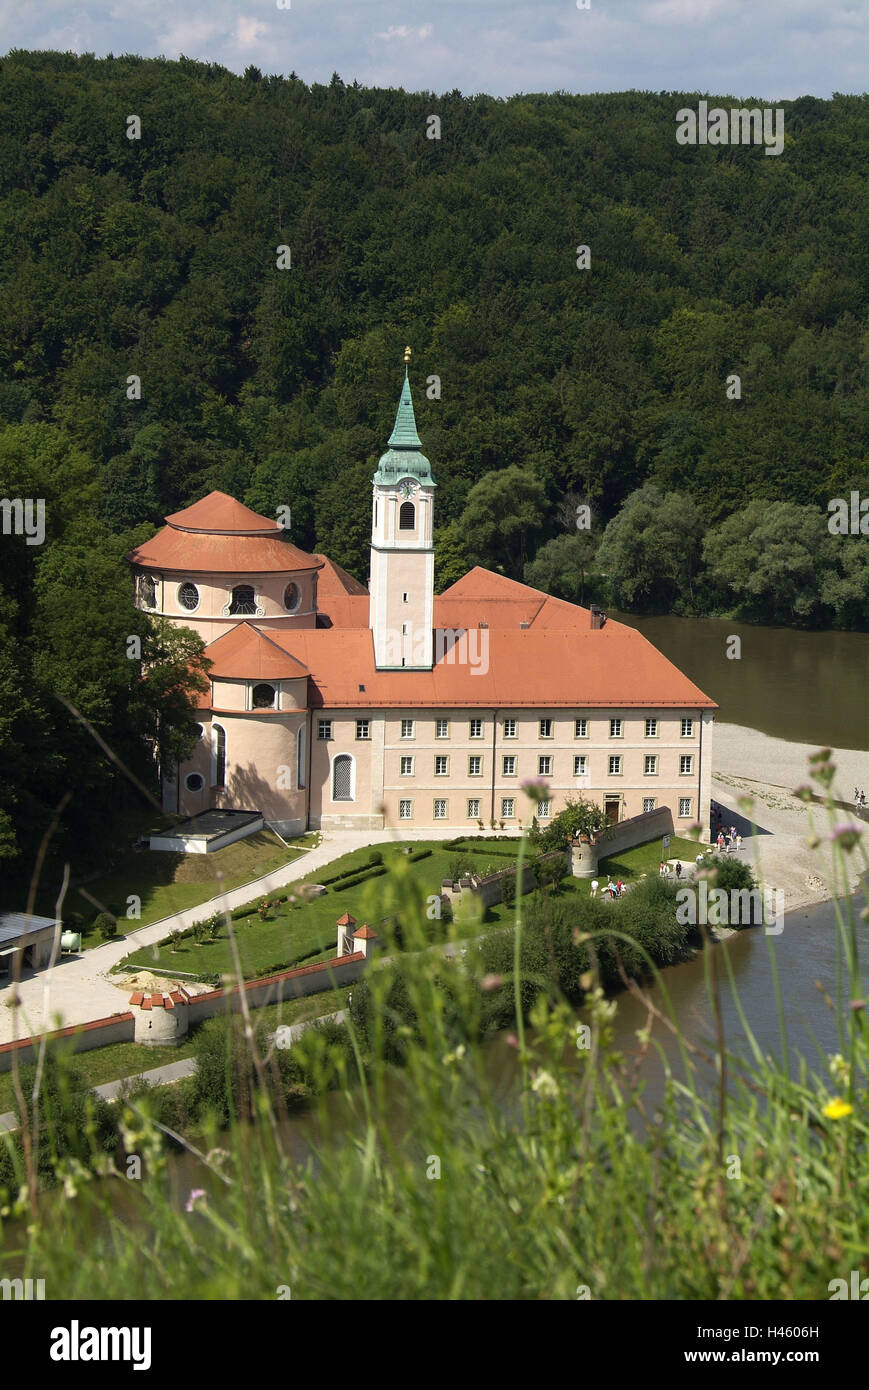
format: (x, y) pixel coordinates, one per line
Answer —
(156, 258)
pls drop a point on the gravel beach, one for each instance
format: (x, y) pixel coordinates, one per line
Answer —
(751, 764)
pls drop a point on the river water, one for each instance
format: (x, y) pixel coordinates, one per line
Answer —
(809, 687)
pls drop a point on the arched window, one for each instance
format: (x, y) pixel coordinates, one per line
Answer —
(292, 597)
(407, 517)
(301, 755)
(188, 596)
(342, 778)
(219, 750)
(243, 599)
(147, 591)
(263, 697)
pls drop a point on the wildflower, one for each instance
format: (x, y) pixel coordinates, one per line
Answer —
(197, 1193)
(544, 1084)
(837, 1109)
(845, 835)
(839, 1068)
(804, 792)
(512, 1040)
(857, 1004)
(536, 790)
(489, 982)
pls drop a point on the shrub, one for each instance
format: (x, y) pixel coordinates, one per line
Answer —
(418, 854)
(375, 857)
(105, 925)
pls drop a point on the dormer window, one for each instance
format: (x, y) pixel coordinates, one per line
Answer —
(407, 517)
(262, 696)
(243, 599)
(292, 597)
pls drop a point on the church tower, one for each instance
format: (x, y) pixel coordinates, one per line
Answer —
(401, 585)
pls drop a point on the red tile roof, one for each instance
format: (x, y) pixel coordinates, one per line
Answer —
(247, 653)
(334, 581)
(219, 513)
(346, 921)
(365, 933)
(217, 535)
(543, 666)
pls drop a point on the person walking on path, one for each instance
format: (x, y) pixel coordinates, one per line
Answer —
(720, 842)
(678, 868)
(738, 843)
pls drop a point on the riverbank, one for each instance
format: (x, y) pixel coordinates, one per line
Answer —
(750, 763)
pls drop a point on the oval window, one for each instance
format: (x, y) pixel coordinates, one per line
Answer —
(263, 697)
(188, 596)
(292, 597)
(194, 781)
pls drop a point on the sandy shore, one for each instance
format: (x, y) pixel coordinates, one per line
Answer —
(749, 763)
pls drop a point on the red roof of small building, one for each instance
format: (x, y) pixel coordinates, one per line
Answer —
(346, 921)
(365, 933)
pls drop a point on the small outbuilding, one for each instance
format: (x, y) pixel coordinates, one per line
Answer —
(33, 936)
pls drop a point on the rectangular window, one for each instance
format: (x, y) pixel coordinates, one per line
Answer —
(475, 728)
(615, 728)
(684, 806)
(405, 810)
(686, 764)
(650, 765)
(363, 728)
(544, 766)
(615, 767)
(407, 728)
(508, 765)
(651, 728)
(442, 765)
(649, 803)
(580, 765)
(407, 767)
(442, 728)
(509, 728)
(580, 728)
(475, 765)
(546, 728)
(507, 805)
(543, 809)
(324, 728)
(687, 728)
(440, 810)
(473, 808)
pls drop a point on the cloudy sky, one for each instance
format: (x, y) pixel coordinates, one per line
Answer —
(764, 48)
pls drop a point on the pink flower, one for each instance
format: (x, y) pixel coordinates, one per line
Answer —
(196, 1194)
(845, 835)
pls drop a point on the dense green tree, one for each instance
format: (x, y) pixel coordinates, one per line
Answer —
(503, 517)
(770, 559)
(651, 550)
(561, 565)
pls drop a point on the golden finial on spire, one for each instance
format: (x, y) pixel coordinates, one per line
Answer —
(407, 354)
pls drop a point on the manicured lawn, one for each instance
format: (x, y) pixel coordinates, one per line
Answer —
(303, 932)
(168, 883)
(646, 859)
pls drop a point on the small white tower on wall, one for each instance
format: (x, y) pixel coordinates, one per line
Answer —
(401, 586)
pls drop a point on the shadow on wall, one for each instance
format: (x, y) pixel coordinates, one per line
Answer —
(248, 790)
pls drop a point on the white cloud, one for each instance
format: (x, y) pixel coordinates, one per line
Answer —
(249, 31)
(404, 31)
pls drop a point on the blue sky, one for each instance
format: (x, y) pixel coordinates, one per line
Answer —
(764, 48)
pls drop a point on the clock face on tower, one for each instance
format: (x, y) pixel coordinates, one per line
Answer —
(406, 489)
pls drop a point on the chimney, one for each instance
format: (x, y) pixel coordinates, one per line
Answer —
(597, 617)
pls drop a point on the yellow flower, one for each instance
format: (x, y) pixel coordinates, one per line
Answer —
(837, 1109)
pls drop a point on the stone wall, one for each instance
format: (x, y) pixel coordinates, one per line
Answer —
(490, 890)
(635, 831)
(99, 1033)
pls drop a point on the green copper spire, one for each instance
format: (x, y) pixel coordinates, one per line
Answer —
(403, 458)
(404, 435)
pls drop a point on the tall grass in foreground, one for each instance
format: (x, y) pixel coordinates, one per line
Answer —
(755, 1186)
